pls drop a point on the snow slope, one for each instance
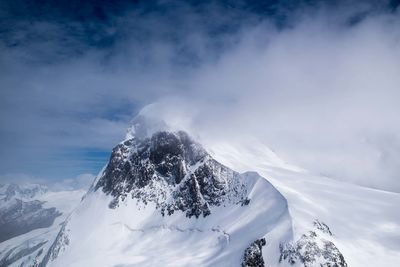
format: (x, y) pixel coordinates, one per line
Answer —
(365, 222)
(135, 234)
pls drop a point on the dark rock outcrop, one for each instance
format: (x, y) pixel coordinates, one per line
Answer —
(312, 250)
(321, 226)
(172, 171)
(253, 254)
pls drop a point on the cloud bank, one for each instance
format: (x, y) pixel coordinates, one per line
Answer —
(324, 97)
(320, 87)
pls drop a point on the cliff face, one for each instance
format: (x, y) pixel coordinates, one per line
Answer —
(173, 171)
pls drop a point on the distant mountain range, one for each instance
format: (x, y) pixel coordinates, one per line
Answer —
(30, 215)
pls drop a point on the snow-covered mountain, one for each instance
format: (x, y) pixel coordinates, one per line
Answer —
(21, 212)
(164, 199)
(22, 191)
(30, 217)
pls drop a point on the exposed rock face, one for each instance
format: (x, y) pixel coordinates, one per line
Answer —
(322, 227)
(313, 250)
(172, 171)
(253, 254)
(58, 246)
(19, 217)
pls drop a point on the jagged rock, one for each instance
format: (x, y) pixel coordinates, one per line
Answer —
(322, 227)
(312, 250)
(253, 254)
(173, 171)
(58, 246)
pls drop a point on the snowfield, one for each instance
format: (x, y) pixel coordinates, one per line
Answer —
(365, 222)
(135, 234)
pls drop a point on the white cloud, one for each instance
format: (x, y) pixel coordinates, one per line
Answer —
(82, 181)
(323, 93)
(324, 97)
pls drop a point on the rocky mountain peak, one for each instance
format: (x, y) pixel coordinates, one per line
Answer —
(171, 170)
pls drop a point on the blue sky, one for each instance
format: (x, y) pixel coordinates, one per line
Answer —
(74, 73)
(69, 162)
